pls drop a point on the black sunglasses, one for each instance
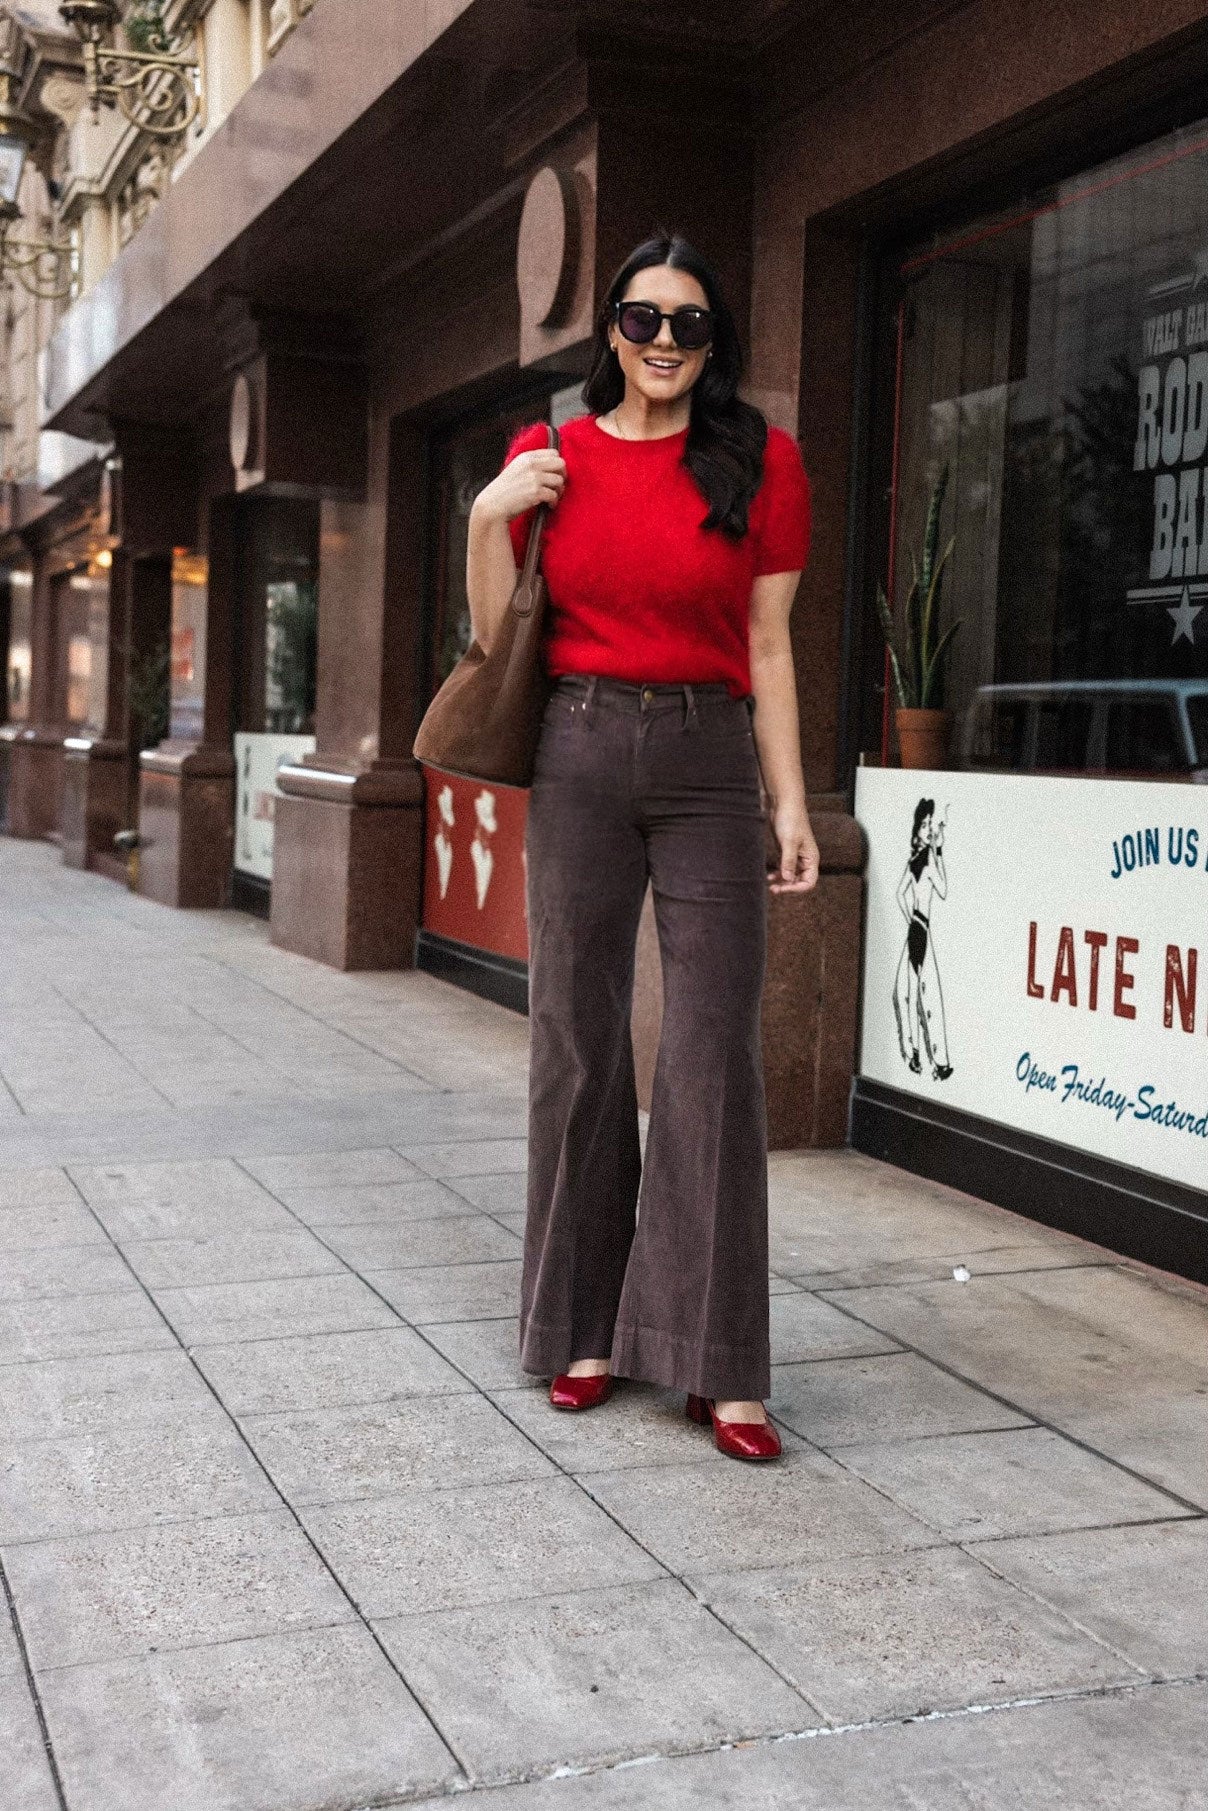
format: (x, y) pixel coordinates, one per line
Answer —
(691, 328)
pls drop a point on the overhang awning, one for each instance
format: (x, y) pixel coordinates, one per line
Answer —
(314, 184)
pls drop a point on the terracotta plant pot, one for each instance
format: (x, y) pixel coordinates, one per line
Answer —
(924, 737)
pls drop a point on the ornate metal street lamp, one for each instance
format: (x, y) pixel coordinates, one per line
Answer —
(155, 84)
(42, 265)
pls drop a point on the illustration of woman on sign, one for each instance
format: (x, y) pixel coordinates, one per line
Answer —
(918, 1000)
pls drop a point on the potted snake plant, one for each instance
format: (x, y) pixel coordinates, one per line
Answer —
(917, 651)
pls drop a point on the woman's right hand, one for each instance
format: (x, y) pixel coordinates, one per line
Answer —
(526, 481)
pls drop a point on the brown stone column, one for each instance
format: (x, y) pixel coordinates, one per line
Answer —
(707, 145)
(180, 794)
(186, 812)
(99, 768)
(348, 834)
(35, 783)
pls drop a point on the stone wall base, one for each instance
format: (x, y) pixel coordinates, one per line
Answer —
(346, 879)
(96, 790)
(187, 822)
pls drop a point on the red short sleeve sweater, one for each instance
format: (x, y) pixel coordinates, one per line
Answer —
(638, 589)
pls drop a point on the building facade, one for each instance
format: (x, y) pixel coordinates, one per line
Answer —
(962, 240)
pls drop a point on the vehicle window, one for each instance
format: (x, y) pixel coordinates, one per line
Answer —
(1063, 727)
(1197, 711)
(999, 733)
(1143, 736)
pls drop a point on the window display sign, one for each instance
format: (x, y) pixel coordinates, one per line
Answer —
(257, 758)
(474, 871)
(1036, 953)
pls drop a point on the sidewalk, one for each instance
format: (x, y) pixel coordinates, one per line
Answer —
(283, 1528)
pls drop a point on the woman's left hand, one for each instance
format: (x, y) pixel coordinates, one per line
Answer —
(798, 869)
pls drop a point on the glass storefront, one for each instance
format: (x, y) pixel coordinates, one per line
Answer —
(1033, 1006)
(19, 661)
(1053, 360)
(278, 641)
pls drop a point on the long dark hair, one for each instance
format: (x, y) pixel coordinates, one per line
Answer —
(919, 850)
(726, 436)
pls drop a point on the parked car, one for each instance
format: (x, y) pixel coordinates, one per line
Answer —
(1135, 727)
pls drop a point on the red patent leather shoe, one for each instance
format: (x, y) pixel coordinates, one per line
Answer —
(580, 1392)
(737, 1439)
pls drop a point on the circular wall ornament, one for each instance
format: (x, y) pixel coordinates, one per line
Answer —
(547, 250)
(242, 435)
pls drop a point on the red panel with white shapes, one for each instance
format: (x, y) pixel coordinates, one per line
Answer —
(474, 863)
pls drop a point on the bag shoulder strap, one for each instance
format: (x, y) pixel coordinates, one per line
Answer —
(525, 592)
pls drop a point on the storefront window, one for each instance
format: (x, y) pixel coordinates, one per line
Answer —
(1055, 361)
(278, 543)
(278, 598)
(20, 616)
(465, 462)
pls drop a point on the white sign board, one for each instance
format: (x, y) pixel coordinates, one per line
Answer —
(1037, 953)
(257, 758)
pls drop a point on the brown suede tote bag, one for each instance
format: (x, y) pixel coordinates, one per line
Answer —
(485, 720)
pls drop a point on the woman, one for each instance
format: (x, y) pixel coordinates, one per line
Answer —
(918, 999)
(678, 530)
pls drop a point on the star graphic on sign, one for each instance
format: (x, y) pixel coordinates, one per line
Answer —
(1183, 615)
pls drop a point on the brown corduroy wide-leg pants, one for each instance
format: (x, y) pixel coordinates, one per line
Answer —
(662, 1265)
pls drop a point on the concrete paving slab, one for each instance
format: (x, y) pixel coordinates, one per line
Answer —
(368, 1203)
(62, 1270)
(35, 1187)
(1022, 1481)
(325, 1370)
(48, 1223)
(195, 1183)
(324, 1169)
(64, 1396)
(900, 1396)
(900, 1635)
(340, 1454)
(217, 1007)
(75, 1325)
(308, 1719)
(637, 1426)
(586, 1677)
(1141, 1750)
(28, 1784)
(214, 1313)
(1142, 1590)
(1110, 1355)
(472, 1157)
(470, 1238)
(1164, 1439)
(451, 1292)
(147, 1590)
(454, 1549)
(835, 1214)
(705, 1517)
(188, 1462)
(805, 1328)
(253, 1257)
(487, 1351)
(202, 1200)
(937, 1267)
(504, 1193)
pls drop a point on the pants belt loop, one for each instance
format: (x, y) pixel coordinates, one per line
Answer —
(691, 720)
(589, 698)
